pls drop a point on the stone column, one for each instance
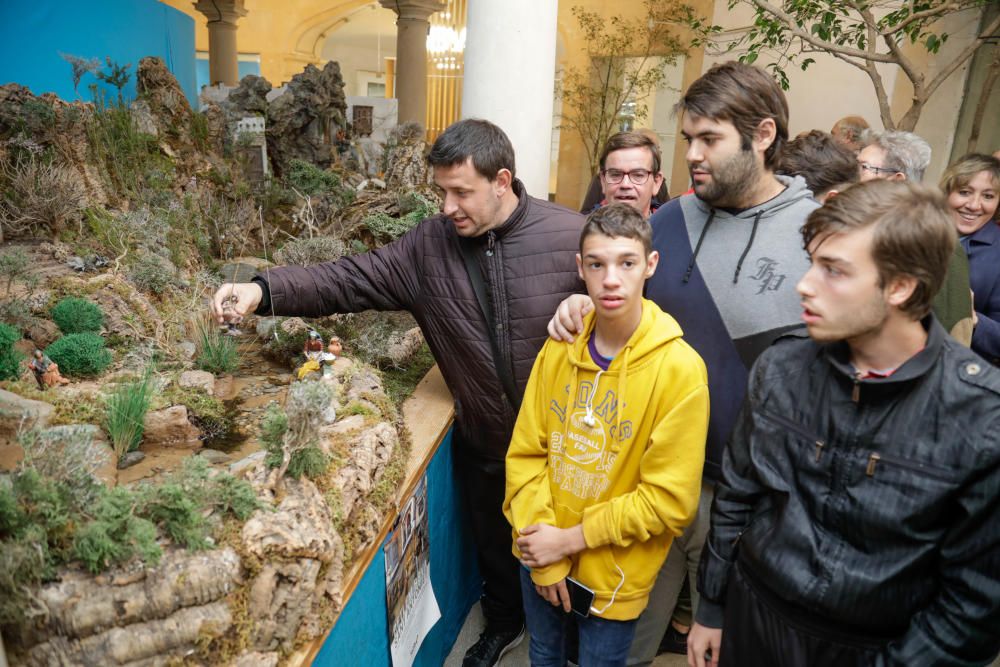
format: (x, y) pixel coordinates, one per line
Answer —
(510, 64)
(411, 55)
(223, 63)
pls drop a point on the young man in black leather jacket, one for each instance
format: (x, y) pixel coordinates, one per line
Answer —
(857, 522)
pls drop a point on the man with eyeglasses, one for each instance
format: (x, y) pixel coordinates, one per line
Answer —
(630, 172)
(893, 155)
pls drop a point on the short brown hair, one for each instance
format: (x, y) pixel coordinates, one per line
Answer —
(965, 169)
(817, 157)
(744, 95)
(475, 138)
(913, 235)
(623, 140)
(618, 221)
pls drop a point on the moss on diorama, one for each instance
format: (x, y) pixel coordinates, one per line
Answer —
(400, 382)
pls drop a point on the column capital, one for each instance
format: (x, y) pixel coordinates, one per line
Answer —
(221, 11)
(419, 10)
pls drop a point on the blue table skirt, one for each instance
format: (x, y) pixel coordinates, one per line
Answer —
(361, 636)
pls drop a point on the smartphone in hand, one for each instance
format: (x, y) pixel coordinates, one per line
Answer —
(580, 597)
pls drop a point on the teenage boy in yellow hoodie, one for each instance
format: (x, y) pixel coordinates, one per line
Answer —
(604, 467)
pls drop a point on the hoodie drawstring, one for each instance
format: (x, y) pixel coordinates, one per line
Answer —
(588, 418)
(753, 233)
(697, 247)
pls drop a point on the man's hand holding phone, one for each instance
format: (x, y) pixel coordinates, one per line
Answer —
(557, 594)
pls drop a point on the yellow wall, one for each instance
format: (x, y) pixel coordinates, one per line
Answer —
(573, 175)
(288, 35)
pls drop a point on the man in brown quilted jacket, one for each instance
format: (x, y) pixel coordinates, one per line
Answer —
(523, 250)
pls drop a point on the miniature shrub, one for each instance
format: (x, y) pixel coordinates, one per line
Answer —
(40, 197)
(217, 352)
(309, 179)
(170, 506)
(80, 354)
(10, 358)
(14, 265)
(125, 415)
(65, 454)
(151, 273)
(116, 534)
(74, 315)
(303, 252)
(305, 457)
(415, 208)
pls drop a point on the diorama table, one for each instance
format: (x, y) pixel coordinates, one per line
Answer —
(360, 635)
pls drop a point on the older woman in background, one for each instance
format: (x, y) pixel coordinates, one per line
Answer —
(973, 188)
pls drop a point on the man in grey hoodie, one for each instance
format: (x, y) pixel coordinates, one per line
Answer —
(731, 256)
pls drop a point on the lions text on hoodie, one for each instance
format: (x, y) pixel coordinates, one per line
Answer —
(619, 451)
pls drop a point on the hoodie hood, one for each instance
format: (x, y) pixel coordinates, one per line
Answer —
(795, 191)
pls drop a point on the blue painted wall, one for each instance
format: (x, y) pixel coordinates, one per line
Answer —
(35, 33)
(361, 634)
(244, 67)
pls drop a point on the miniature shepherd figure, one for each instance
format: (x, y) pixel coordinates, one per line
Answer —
(45, 370)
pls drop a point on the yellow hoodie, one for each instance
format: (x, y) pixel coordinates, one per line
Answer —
(633, 478)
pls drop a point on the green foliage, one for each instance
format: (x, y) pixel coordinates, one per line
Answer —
(10, 358)
(285, 347)
(151, 273)
(127, 157)
(625, 64)
(125, 415)
(81, 354)
(170, 506)
(862, 35)
(272, 429)
(115, 75)
(116, 533)
(46, 523)
(74, 315)
(234, 496)
(309, 179)
(199, 131)
(217, 352)
(386, 228)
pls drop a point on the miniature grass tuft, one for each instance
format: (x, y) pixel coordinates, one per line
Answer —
(217, 353)
(125, 414)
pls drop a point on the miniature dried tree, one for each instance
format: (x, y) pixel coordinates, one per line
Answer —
(293, 434)
(626, 58)
(864, 34)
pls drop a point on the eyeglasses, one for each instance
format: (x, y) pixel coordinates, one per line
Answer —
(636, 176)
(877, 170)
